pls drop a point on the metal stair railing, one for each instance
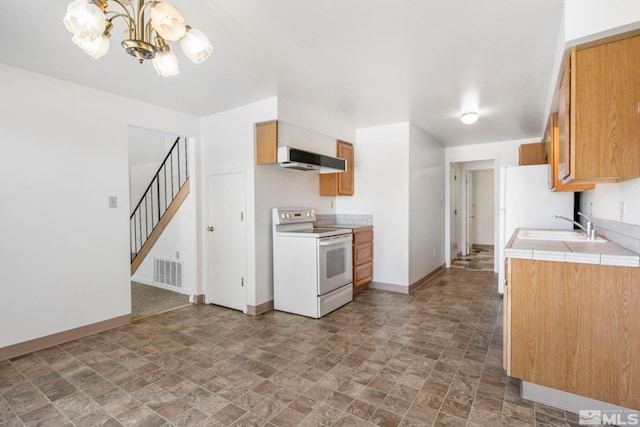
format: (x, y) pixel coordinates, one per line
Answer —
(162, 190)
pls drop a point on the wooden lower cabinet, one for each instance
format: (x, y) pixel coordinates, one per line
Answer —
(362, 257)
(362, 274)
(574, 327)
(506, 318)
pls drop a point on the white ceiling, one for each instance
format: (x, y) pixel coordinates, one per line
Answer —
(363, 62)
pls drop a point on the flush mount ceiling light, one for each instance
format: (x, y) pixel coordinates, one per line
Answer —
(469, 118)
(90, 23)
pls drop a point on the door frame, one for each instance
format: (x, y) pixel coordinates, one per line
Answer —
(465, 162)
(468, 211)
(454, 212)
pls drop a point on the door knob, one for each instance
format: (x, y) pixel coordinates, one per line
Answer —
(210, 228)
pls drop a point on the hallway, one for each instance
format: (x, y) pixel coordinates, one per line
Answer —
(433, 357)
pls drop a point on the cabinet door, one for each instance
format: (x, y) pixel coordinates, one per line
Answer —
(506, 318)
(345, 179)
(362, 236)
(362, 253)
(552, 136)
(267, 142)
(362, 274)
(606, 110)
(574, 327)
(340, 183)
(563, 121)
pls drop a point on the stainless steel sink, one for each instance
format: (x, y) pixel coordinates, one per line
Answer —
(563, 235)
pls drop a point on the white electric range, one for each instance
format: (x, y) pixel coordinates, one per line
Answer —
(312, 271)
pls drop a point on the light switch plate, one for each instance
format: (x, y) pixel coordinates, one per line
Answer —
(113, 202)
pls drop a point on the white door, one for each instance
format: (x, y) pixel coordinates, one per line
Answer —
(226, 241)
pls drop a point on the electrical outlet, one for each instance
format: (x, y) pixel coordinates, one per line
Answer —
(435, 252)
(332, 204)
(113, 202)
(177, 254)
(621, 215)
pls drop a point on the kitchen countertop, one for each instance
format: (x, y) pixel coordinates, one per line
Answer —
(605, 253)
(350, 227)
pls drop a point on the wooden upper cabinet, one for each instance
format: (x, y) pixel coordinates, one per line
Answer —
(552, 141)
(267, 142)
(340, 183)
(345, 179)
(599, 111)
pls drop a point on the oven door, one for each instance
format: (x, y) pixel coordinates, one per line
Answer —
(334, 262)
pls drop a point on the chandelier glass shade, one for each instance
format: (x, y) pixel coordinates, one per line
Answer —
(149, 25)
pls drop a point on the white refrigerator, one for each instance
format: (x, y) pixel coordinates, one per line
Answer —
(527, 202)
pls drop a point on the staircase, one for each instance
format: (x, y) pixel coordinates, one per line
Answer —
(164, 195)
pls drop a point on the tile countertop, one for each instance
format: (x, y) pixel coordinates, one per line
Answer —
(605, 253)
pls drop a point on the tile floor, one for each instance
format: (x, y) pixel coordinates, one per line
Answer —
(430, 358)
(480, 259)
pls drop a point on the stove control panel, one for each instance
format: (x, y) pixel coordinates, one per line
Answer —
(293, 215)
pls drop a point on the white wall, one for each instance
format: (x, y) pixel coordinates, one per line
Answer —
(64, 252)
(604, 201)
(276, 187)
(381, 158)
(147, 150)
(228, 143)
(426, 204)
(139, 178)
(484, 200)
(587, 20)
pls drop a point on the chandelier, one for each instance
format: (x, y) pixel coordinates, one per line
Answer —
(150, 25)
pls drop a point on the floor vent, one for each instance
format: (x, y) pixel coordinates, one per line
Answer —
(167, 272)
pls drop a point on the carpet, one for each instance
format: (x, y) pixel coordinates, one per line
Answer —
(147, 300)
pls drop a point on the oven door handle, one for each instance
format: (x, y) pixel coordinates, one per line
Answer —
(327, 241)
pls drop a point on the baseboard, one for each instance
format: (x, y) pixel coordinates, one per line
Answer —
(420, 282)
(481, 246)
(36, 344)
(389, 287)
(255, 310)
(359, 289)
(401, 289)
(197, 299)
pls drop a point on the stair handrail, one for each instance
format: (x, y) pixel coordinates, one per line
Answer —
(137, 232)
(186, 153)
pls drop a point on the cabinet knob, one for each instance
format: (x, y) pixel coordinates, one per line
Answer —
(210, 228)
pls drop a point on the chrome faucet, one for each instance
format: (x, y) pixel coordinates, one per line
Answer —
(588, 229)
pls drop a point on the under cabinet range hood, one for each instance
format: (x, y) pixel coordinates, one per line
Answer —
(292, 158)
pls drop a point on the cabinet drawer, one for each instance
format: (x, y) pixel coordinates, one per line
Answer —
(362, 274)
(362, 236)
(362, 253)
